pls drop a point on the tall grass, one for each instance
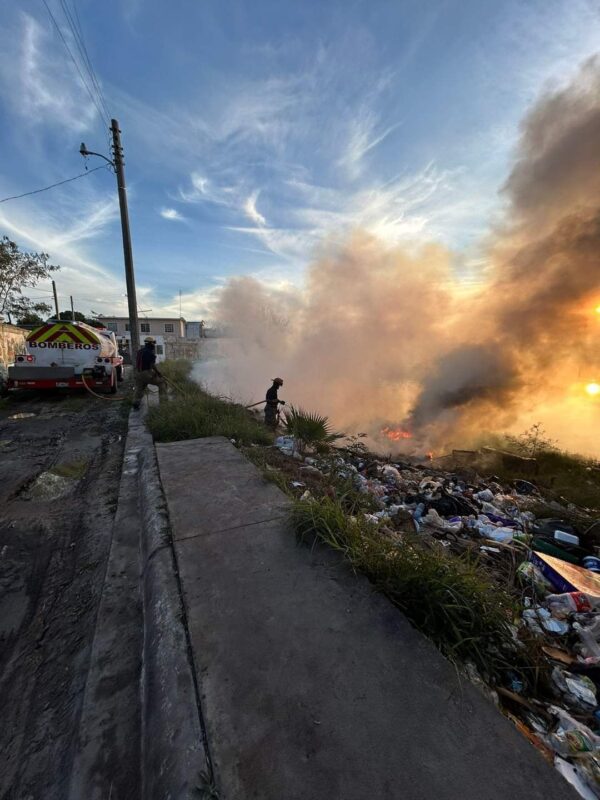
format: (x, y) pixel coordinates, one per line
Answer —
(191, 413)
(447, 598)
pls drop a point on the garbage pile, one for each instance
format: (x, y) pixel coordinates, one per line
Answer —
(553, 565)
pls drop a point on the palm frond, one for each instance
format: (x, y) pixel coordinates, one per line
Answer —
(309, 426)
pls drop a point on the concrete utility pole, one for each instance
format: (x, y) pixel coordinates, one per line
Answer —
(55, 300)
(134, 327)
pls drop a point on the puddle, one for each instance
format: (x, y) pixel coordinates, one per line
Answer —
(49, 486)
(22, 415)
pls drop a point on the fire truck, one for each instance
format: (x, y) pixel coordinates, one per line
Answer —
(68, 355)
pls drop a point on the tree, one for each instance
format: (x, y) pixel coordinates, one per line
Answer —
(79, 317)
(20, 270)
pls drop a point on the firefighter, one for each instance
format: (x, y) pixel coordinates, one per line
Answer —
(273, 403)
(146, 371)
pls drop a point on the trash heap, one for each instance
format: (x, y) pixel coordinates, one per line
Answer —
(550, 562)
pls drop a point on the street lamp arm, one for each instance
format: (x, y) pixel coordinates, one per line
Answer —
(85, 152)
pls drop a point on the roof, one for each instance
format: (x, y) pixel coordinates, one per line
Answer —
(109, 318)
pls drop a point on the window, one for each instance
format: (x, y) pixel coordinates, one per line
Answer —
(169, 327)
(112, 326)
(159, 349)
(145, 327)
(126, 326)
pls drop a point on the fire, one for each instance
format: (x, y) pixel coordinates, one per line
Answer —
(396, 434)
(430, 455)
(593, 388)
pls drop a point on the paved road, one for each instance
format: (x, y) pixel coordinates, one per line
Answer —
(59, 478)
(314, 687)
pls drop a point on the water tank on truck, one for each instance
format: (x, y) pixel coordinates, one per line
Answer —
(62, 354)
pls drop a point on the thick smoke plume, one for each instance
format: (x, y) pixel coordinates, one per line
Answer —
(384, 336)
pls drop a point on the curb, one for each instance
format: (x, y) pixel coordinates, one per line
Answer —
(140, 734)
(173, 754)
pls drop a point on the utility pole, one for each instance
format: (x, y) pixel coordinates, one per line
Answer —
(72, 310)
(55, 300)
(127, 251)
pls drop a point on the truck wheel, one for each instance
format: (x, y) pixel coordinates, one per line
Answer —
(119, 373)
(113, 382)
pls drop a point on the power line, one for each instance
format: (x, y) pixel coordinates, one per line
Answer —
(68, 49)
(52, 185)
(77, 33)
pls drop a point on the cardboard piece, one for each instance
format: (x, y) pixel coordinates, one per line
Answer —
(567, 577)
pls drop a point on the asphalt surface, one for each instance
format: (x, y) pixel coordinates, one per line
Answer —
(60, 468)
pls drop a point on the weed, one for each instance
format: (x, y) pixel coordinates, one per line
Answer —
(193, 414)
(206, 789)
(73, 469)
(176, 370)
(446, 597)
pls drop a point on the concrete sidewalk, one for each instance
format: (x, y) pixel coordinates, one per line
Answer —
(313, 687)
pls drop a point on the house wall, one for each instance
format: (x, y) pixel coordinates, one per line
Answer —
(169, 327)
(12, 343)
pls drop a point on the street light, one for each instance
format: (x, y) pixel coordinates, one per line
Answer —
(118, 165)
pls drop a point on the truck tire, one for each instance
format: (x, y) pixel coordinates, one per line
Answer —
(119, 373)
(113, 382)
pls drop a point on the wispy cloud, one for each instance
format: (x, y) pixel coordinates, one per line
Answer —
(251, 210)
(171, 214)
(39, 83)
(362, 137)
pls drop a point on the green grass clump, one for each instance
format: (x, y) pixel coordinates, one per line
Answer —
(194, 414)
(446, 597)
(176, 370)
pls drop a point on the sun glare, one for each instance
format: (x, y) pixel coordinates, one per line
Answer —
(593, 388)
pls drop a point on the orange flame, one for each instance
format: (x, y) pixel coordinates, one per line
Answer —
(396, 434)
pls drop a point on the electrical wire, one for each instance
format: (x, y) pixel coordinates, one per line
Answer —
(77, 33)
(68, 49)
(53, 185)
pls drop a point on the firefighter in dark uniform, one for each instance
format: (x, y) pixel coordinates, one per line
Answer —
(273, 403)
(146, 372)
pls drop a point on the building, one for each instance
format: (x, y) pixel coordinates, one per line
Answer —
(195, 330)
(171, 328)
(172, 331)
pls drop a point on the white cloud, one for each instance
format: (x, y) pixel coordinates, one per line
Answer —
(171, 213)
(251, 210)
(38, 80)
(362, 137)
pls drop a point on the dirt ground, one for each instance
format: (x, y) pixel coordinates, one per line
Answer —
(59, 479)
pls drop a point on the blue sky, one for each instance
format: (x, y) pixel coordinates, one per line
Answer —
(256, 132)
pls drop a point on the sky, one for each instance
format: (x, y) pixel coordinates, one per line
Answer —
(258, 133)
